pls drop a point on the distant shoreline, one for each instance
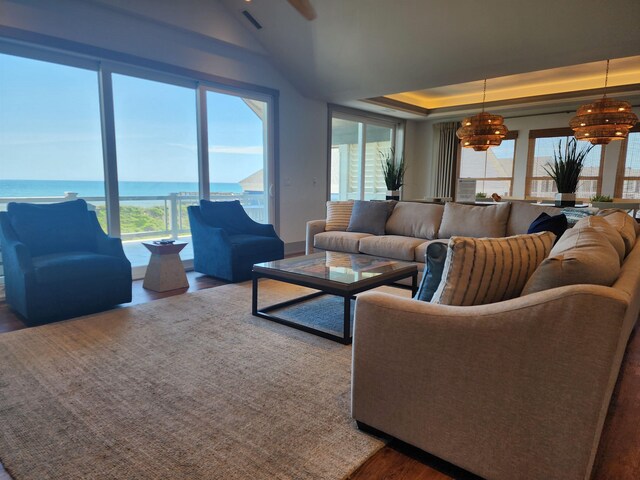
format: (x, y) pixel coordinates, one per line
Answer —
(95, 188)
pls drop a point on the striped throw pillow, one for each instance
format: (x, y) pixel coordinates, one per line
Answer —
(487, 270)
(338, 215)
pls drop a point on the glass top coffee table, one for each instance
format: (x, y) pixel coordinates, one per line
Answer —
(339, 274)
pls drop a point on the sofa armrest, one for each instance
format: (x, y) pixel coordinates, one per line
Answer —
(313, 227)
(262, 229)
(517, 388)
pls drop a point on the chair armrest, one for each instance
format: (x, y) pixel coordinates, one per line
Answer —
(262, 229)
(203, 234)
(517, 386)
(15, 254)
(313, 227)
(105, 244)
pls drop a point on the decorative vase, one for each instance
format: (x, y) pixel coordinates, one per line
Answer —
(565, 200)
(393, 195)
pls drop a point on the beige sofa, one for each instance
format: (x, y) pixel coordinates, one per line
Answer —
(412, 226)
(512, 390)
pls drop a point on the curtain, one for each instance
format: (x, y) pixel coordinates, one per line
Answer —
(446, 157)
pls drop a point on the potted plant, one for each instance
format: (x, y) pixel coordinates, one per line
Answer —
(393, 174)
(565, 170)
(601, 201)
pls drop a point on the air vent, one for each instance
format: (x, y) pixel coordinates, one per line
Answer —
(253, 21)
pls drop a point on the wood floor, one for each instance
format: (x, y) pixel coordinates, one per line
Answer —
(618, 456)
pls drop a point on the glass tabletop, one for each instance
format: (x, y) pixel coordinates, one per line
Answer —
(338, 267)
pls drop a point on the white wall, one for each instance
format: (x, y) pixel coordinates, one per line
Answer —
(424, 150)
(234, 54)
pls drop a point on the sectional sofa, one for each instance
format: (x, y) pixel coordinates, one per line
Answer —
(513, 390)
(412, 226)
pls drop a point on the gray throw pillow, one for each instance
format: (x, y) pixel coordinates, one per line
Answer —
(368, 217)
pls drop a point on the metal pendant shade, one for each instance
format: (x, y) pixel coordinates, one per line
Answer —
(605, 120)
(483, 130)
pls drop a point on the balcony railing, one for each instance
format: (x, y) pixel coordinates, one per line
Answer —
(151, 217)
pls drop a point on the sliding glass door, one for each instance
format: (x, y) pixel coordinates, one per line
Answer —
(238, 152)
(156, 138)
(140, 146)
(358, 146)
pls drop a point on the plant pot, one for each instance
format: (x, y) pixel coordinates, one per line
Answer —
(565, 200)
(393, 195)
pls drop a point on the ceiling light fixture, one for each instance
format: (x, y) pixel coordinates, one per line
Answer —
(605, 120)
(483, 130)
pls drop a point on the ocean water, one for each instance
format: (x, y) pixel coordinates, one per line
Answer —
(55, 188)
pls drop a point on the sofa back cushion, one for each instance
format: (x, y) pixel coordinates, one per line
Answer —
(582, 255)
(523, 214)
(624, 224)
(228, 215)
(605, 228)
(420, 220)
(474, 221)
(369, 217)
(478, 271)
(53, 228)
(338, 215)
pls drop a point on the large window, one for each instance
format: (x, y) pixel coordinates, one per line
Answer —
(492, 169)
(358, 145)
(542, 144)
(138, 145)
(628, 185)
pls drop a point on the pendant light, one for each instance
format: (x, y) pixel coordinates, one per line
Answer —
(483, 130)
(605, 120)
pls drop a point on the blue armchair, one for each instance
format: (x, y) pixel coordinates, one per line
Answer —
(58, 263)
(227, 242)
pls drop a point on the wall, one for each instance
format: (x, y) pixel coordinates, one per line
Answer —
(234, 55)
(425, 145)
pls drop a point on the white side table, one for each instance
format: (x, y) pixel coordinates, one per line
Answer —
(165, 271)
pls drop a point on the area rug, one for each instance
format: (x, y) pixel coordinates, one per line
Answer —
(189, 387)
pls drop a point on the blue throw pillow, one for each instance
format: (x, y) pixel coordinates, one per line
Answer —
(369, 217)
(53, 228)
(433, 268)
(546, 223)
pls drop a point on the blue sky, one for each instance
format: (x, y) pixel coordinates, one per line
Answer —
(50, 127)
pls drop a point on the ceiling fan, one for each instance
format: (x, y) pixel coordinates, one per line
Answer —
(305, 8)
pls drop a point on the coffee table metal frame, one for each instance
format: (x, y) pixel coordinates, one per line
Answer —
(326, 287)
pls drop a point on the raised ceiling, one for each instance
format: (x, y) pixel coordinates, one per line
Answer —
(624, 72)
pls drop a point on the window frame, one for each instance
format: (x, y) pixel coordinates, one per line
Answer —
(511, 135)
(365, 118)
(622, 165)
(105, 63)
(550, 133)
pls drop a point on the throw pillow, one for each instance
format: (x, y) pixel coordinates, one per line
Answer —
(624, 224)
(556, 224)
(487, 270)
(433, 268)
(338, 215)
(609, 231)
(474, 221)
(368, 217)
(582, 255)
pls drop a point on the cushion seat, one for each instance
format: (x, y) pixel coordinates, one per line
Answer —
(60, 267)
(348, 242)
(249, 245)
(391, 246)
